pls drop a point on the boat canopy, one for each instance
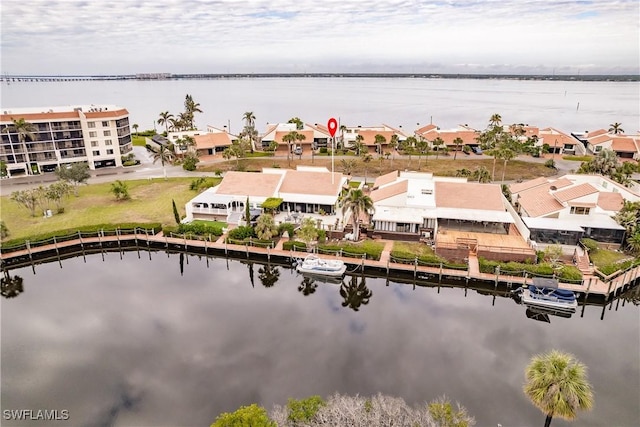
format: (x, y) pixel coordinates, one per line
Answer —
(542, 282)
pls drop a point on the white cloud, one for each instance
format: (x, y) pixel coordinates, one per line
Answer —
(129, 36)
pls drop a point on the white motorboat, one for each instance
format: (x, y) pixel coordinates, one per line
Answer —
(544, 294)
(315, 265)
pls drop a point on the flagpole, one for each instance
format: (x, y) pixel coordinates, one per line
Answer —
(333, 148)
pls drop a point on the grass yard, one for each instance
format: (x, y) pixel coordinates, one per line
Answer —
(95, 204)
(604, 257)
(138, 140)
(419, 249)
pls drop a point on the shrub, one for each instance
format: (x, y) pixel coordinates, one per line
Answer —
(305, 410)
(285, 226)
(300, 246)
(323, 150)
(241, 233)
(252, 415)
(201, 228)
(551, 164)
(590, 244)
(4, 231)
(203, 183)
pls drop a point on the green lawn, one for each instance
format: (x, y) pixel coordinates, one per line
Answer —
(577, 158)
(150, 202)
(354, 184)
(209, 223)
(138, 140)
(603, 257)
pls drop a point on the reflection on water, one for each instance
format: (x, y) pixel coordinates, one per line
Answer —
(139, 341)
(11, 286)
(355, 293)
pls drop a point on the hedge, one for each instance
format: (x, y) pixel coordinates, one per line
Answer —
(567, 272)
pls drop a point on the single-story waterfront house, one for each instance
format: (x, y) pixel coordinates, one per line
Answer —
(563, 210)
(304, 190)
(454, 215)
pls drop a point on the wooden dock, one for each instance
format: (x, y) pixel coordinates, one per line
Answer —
(591, 286)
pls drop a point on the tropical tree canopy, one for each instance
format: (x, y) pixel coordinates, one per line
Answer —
(357, 202)
(556, 383)
(616, 128)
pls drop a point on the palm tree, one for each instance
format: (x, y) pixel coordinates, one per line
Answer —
(165, 155)
(359, 145)
(357, 202)
(165, 120)
(393, 146)
(190, 108)
(343, 129)
(457, 142)
(135, 127)
(249, 119)
(557, 384)
(291, 138)
(408, 145)
(266, 227)
(495, 120)
(616, 128)
(422, 146)
(268, 275)
(481, 174)
(379, 140)
(634, 242)
(347, 166)
(25, 130)
(355, 293)
(437, 142)
(366, 159)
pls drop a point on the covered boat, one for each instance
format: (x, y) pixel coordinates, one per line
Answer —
(544, 294)
(314, 265)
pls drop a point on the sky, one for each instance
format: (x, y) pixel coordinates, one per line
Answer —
(78, 37)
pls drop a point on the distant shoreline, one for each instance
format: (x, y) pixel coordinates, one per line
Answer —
(206, 76)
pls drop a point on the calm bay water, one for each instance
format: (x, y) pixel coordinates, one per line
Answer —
(134, 342)
(569, 106)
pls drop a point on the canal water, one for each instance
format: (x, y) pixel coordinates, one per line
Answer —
(168, 340)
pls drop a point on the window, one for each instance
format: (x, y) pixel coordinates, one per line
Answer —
(598, 148)
(107, 133)
(579, 210)
(108, 142)
(110, 151)
(96, 152)
(91, 124)
(94, 143)
(93, 134)
(105, 124)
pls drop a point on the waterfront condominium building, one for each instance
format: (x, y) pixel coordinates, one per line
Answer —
(96, 134)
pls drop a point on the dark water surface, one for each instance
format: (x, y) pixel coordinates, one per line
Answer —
(134, 342)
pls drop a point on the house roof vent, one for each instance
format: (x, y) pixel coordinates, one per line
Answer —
(553, 188)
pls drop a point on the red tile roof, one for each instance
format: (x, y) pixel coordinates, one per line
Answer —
(538, 202)
(385, 179)
(390, 191)
(210, 140)
(610, 201)
(469, 195)
(574, 192)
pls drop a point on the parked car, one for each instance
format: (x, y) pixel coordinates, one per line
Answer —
(477, 150)
(297, 151)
